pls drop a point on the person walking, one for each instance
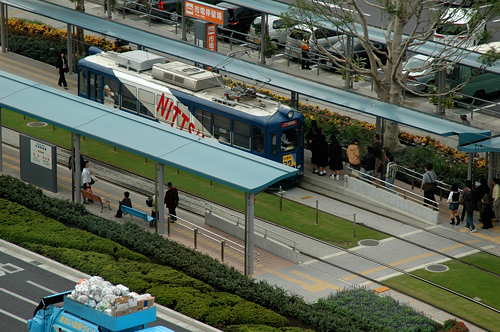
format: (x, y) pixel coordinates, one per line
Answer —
(470, 205)
(354, 155)
(335, 158)
(368, 163)
(487, 211)
(453, 199)
(322, 154)
(171, 201)
(126, 201)
(461, 201)
(305, 55)
(62, 68)
(429, 186)
(495, 196)
(390, 174)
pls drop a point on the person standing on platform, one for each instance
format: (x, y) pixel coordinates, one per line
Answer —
(125, 201)
(86, 181)
(470, 205)
(171, 201)
(429, 186)
(354, 155)
(390, 174)
(482, 190)
(312, 139)
(322, 157)
(335, 158)
(368, 163)
(305, 55)
(377, 152)
(62, 68)
(453, 199)
(496, 199)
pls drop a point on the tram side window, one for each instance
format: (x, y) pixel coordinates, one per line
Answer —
(205, 118)
(83, 82)
(146, 102)
(129, 97)
(289, 140)
(274, 144)
(222, 128)
(98, 88)
(111, 92)
(257, 139)
(241, 134)
(92, 86)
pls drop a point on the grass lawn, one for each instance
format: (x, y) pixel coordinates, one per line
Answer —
(294, 216)
(463, 279)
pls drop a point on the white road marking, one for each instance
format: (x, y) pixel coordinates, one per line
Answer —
(14, 316)
(41, 287)
(18, 296)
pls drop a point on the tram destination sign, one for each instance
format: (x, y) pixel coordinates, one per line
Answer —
(205, 12)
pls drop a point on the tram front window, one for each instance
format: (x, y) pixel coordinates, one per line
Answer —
(289, 140)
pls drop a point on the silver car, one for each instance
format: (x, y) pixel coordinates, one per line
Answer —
(420, 80)
(275, 27)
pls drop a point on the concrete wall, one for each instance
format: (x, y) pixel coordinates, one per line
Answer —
(265, 243)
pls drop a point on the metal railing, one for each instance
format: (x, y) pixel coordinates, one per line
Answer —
(224, 242)
(381, 184)
(259, 230)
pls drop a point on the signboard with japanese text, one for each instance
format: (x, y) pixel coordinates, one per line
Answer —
(212, 37)
(206, 12)
(38, 162)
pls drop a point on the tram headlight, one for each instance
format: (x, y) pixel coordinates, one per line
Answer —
(289, 114)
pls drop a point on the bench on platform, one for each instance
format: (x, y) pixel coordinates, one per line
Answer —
(133, 212)
(96, 198)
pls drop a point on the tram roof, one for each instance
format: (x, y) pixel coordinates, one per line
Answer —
(357, 102)
(141, 136)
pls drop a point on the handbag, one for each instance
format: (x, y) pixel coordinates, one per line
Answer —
(92, 180)
(430, 186)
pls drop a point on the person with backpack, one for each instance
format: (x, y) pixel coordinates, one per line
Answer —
(171, 201)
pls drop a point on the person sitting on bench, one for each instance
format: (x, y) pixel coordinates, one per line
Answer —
(125, 201)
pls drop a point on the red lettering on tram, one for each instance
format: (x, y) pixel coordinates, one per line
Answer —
(166, 105)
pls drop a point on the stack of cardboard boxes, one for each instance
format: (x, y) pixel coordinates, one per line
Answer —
(125, 305)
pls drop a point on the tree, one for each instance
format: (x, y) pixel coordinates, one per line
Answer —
(422, 17)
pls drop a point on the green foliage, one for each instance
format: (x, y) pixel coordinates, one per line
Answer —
(36, 48)
(452, 325)
(262, 328)
(382, 311)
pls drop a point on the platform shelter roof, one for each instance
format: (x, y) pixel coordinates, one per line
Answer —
(391, 112)
(145, 137)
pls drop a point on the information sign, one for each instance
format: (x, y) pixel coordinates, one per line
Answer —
(205, 12)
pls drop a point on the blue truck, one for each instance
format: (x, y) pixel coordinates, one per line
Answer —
(76, 317)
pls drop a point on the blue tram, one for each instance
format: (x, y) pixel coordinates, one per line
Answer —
(198, 101)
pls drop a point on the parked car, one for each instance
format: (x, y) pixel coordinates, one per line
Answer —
(160, 9)
(458, 27)
(275, 27)
(419, 81)
(126, 4)
(239, 20)
(316, 36)
(358, 51)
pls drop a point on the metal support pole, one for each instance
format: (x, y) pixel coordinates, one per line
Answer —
(249, 228)
(156, 198)
(441, 90)
(70, 48)
(160, 217)
(470, 155)
(73, 168)
(281, 199)
(3, 27)
(294, 99)
(262, 44)
(354, 224)
(1, 138)
(195, 238)
(108, 16)
(348, 46)
(491, 166)
(317, 212)
(183, 22)
(222, 245)
(378, 127)
(78, 167)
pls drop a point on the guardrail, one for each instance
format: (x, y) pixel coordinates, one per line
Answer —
(377, 182)
(224, 242)
(266, 233)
